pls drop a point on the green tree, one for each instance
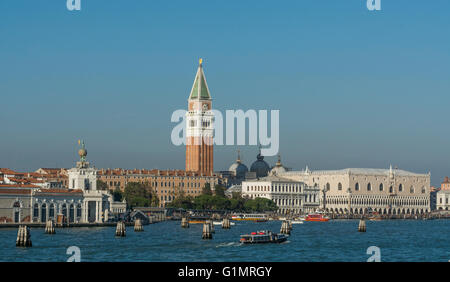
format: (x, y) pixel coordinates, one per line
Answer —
(219, 190)
(260, 205)
(101, 185)
(203, 202)
(207, 189)
(117, 195)
(140, 194)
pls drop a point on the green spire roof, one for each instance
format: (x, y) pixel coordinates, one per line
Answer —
(200, 89)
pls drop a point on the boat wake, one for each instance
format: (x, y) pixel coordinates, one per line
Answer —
(229, 244)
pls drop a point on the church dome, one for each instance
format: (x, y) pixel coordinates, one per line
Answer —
(278, 168)
(238, 168)
(260, 167)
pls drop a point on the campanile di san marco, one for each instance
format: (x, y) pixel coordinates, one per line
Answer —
(199, 126)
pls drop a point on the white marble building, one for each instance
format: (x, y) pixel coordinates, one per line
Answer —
(81, 202)
(359, 190)
(293, 197)
(443, 200)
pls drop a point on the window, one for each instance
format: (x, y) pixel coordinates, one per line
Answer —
(423, 190)
(357, 187)
(381, 187)
(36, 210)
(411, 190)
(369, 187)
(79, 210)
(340, 186)
(400, 188)
(51, 212)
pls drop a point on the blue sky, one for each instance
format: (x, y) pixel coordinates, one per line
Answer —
(354, 88)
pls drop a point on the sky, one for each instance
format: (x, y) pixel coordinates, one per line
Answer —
(355, 88)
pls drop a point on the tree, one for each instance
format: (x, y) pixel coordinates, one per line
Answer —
(207, 189)
(117, 195)
(260, 205)
(140, 194)
(219, 190)
(101, 185)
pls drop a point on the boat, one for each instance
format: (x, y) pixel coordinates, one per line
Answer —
(196, 221)
(374, 217)
(297, 221)
(220, 223)
(250, 217)
(263, 237)
(316, 217)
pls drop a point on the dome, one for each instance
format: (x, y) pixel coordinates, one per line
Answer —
(278, 168)
(260, 167)
(238, 168)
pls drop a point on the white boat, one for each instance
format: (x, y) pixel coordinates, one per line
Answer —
(220, 223)
(297, 222)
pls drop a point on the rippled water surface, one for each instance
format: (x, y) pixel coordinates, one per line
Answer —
(398, 240)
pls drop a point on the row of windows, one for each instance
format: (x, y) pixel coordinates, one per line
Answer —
(380, 188)
(440, 200)
(51, 211)
(195, 178)
(403, 202)
(205, 123)
(276, 188)
(163, 184)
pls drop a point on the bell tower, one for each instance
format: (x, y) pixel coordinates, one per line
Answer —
(199, 127)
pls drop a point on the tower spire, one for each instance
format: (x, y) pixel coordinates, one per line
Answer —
(200, 90)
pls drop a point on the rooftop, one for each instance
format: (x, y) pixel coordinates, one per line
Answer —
(358, 171)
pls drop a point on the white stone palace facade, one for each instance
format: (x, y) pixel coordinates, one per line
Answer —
(359, 190)
(293, 197)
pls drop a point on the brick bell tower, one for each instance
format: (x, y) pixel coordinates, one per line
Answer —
(199, 127)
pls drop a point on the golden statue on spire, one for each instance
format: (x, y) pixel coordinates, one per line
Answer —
(82, 152)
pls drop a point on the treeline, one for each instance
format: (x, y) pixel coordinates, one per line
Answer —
(218, 201)
(142, 195)
(135, 194)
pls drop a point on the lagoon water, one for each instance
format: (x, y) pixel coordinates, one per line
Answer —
(338, 240)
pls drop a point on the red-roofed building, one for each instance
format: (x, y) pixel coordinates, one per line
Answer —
(166, 183)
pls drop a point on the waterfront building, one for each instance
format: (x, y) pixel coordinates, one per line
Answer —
(291, 197)
(443, 196)
(359, 190)
(167, 184)
(442, 200)
(199, 127)
(80, 202)
(15, 202)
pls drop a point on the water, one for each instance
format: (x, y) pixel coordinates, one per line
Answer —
(398, 240)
